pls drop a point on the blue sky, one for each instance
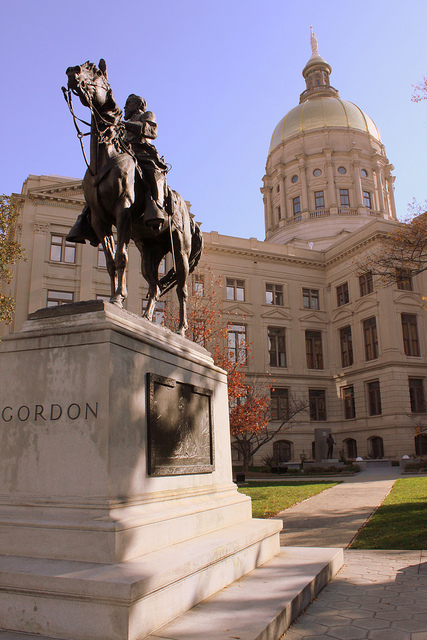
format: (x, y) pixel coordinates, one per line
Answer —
(219, 75)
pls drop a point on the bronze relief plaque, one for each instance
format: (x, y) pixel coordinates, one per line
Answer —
(180, 437)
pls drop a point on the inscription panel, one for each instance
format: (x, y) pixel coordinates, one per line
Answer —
(180, 437)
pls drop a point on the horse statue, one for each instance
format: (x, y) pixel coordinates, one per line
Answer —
(117, 194)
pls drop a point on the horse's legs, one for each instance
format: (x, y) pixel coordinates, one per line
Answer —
(108, 246)
(182, 270)
(107, 241)
(123, 225)
(150, 260)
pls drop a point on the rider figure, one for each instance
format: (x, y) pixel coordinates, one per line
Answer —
(141, 128)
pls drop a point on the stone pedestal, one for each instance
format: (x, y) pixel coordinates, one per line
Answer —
(117, 506)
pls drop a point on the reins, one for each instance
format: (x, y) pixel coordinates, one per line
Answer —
(68, 99)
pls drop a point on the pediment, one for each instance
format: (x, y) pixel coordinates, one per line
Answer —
(237, 310)
(341, 315)
(70, 190)
(276, 313)
(366, 304)
(405, 297)
(313, 317)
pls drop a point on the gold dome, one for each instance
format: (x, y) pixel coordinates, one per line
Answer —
(319, 113)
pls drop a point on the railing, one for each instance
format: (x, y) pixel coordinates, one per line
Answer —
(326, 213)
(295, 219)
(319, 213)
(346, 211)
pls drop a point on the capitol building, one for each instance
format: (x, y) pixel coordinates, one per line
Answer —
(318, 328)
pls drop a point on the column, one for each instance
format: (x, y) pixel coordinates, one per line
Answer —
(37, 295)
(303, 178)
(331, 182)
(380, 188)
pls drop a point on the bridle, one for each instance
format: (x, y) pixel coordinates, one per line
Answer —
(104, 136)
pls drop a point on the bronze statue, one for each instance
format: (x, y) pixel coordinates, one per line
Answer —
(125, 186)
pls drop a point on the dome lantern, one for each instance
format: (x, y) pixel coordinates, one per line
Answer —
(316, 74)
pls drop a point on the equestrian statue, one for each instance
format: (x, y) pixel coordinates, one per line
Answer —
(125, 187)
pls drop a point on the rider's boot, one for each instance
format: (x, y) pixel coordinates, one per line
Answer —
(82, 229)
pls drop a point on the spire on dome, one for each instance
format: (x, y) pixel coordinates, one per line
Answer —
(316, 74)
(314, 43)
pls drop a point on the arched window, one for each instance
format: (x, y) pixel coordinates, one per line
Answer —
(421, 445)
(282, 450)
(350, 448)
(376, 447)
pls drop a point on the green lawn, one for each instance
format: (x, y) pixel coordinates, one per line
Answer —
(401, 521)
(268, 498)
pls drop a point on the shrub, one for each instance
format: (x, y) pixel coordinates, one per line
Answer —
(353, 467)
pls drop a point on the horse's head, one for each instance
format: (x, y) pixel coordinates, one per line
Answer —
(90, 83)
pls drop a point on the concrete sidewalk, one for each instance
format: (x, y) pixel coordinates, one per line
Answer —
(332, 518)
(379, 595)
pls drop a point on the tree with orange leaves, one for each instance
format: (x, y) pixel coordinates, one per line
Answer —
(403, 252)
(249, 401)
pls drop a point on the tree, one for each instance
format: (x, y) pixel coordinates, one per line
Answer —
(249, 400)
(250, 422)
(420, 91)
(10, 252)
(403, 252)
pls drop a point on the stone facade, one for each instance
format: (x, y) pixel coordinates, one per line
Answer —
(317, 329)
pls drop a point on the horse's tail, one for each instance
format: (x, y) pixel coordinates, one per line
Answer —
(169, 280)
(196, 245)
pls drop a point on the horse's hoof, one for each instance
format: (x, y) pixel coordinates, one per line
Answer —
(117, 300)
(181, 331)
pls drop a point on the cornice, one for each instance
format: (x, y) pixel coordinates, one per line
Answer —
(263, 255)
(379, 235)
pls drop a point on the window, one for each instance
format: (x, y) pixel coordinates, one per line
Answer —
(371, 338)
(404, 280)
(162, 267)
(374, 398)
(350, 448)
(296, 205)
(278, 212)
(199, 333)
(198, 285)
(411, 344)
(276, 346)
(376, 447)
(416, 394)
(102, 261)
(366, 283)
(282, 451)
(367, 200)
(279, 403)
(101, 296)
(237, 343)
(344, 197)
(319, 200)
(310, 298)
(420, 445)
(61, 250)
(317, 172)
(364, 173)
(346, 347)
(348, 399)
(159, 311)
(342, 294)
(294, 179)
(313, 344)
(317, 402)
(342, 170)
(55, 298)
(235, 289)
(274, 294)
